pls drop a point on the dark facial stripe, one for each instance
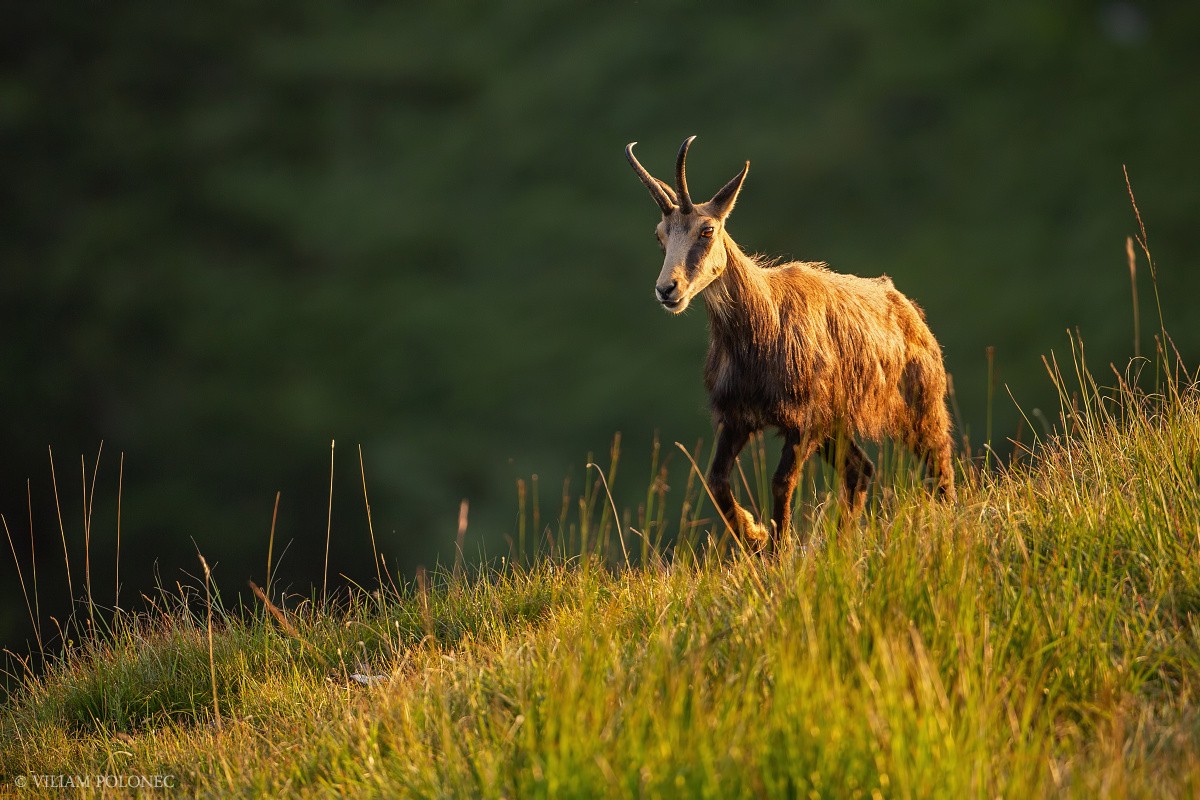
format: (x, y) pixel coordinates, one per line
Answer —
(696, 254)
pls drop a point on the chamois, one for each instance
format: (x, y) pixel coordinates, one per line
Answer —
(819, 355)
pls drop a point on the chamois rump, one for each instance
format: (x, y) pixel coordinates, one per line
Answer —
(821, 356)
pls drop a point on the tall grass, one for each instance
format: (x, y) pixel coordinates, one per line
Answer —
(1041, 637)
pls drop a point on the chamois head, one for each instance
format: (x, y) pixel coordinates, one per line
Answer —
(689, 232)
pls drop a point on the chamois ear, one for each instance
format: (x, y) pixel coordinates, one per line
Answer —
(722, 202)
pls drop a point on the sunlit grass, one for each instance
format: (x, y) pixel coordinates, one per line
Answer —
(1039, 638)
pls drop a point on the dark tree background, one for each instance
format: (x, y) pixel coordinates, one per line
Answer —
(230, 234)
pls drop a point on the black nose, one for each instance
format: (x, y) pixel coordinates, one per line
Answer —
(666, 290)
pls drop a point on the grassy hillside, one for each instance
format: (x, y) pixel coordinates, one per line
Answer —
(1039, 638)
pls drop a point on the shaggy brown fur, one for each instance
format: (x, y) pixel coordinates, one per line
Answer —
(823, 357)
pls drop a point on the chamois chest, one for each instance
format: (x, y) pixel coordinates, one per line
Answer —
(746, 385)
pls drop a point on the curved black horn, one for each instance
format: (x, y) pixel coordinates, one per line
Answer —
(685, 199)
(658, 190)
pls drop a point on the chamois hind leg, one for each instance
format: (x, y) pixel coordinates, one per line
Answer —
(730, 441)
(854, 466)
(796, 450)
(939, 467)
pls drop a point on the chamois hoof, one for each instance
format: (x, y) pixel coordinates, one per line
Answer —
(759, 537)
(754, 534)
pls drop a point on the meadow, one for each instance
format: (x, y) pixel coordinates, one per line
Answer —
(361, 223)
(1038, 638)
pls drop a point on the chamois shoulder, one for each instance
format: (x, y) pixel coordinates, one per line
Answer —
(817, 275)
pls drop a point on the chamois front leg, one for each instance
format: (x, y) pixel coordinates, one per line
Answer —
(730, 441)
(796, 450)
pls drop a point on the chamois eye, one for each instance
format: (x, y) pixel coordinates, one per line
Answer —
(706, 232)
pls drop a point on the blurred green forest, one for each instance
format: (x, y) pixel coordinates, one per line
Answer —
(232, 234)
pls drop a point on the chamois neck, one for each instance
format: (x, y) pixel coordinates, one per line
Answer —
(741, 292)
